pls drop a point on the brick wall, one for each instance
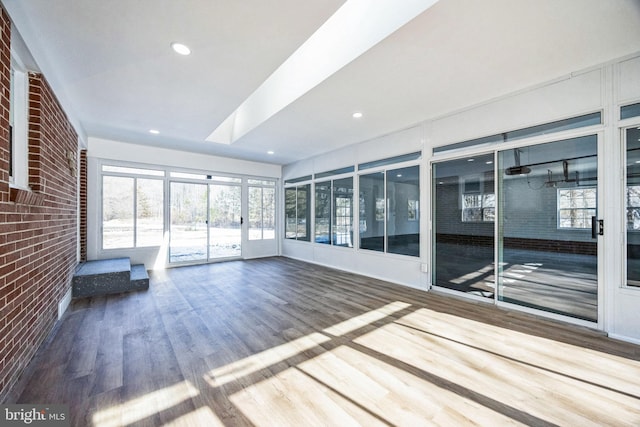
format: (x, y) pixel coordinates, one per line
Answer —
(38, 228)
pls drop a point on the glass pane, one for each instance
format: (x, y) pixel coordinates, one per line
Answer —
(464, 233)
(188, 232)
(372, 211)
(132, 171)
(547, 257)
(629, 111)
(343, 212)
(323, 212)
(390, 160)
(255, 213)
(633, 206)
(150, 212)
(335, 172)
(290, 201)
(303, 207)
(403, 221)
(225, 231)
(268, 213)
(117, 212)
(260, 182)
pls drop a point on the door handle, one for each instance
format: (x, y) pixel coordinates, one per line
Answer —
(241, 220)
(597, 227)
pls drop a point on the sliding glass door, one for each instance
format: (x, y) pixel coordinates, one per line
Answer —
(548, 227)
(188, 231)
(463, 218)
(206, 222)
(225, 221)
(524, 233)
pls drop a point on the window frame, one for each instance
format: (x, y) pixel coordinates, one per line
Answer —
(415, 161)
(309, 217)
(135, 177)
(262, 185)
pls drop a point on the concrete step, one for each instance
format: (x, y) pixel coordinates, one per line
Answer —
(108, 276)
(139, 277)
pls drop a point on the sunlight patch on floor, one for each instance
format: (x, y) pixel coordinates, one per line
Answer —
(495, 362)
(203, 416)
(264, 359)
(145, 406)
(365, 319)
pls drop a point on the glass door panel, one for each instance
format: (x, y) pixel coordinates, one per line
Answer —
(546, 251)
(632, 199)
(225, 228)
(463, 222)
(188, 231)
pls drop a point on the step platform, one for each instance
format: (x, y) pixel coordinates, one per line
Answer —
(108, 276)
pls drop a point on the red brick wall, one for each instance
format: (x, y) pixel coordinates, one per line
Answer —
(38, 229)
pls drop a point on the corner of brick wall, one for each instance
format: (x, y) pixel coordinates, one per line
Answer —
(38, 231)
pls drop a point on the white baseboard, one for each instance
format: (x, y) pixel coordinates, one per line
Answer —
(625, 338)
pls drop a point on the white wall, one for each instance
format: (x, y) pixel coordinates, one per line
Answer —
(99, 150)
(601, 88)
(399, 269)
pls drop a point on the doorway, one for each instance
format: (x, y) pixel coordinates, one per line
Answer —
(206, 222)
(520, 226)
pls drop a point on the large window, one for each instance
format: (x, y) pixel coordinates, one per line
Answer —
(334, 212)
(262, 209)
(297, 212)
(576, 206)
(389, 211)
(132, 208)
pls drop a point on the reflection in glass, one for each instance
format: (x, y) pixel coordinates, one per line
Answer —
(403, 224)
(463, 212)
(633, 206)
(323, 212)
(303, 207)
(297, 205)
(372, 211)
(290, 195)
(547, 255)
(342, 223)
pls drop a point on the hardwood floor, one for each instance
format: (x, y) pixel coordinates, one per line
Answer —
(278, 342)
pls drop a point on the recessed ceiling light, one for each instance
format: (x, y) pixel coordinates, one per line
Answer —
(489, 162)
(357, 115)
(181, 48)
(270, 152)
(471, 160)
(154, 131)
(399, 175)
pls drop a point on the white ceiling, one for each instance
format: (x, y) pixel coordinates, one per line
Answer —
(111, 66)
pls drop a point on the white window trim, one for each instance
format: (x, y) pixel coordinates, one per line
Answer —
(20, 173)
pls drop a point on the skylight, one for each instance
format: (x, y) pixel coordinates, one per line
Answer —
(355, 28)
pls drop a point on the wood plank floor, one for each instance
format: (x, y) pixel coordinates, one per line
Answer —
(278, 342)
